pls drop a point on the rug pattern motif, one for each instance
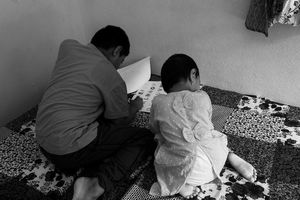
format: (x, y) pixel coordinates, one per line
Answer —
(255, 122)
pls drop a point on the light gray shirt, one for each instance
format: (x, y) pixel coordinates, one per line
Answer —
(84, 85)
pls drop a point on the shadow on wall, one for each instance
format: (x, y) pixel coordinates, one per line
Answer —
(236, 8)
(29, 41)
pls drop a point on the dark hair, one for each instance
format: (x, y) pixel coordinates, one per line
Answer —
(110, 37)
(176, 68)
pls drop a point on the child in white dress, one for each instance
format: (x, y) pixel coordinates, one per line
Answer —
(190, 152)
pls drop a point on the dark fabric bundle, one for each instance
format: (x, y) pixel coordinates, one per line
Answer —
(261, 14)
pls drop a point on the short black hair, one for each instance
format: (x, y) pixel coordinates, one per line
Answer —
(176, 68)
(110, 37)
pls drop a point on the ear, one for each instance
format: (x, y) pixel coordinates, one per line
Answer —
(193, 76)
(117, 51)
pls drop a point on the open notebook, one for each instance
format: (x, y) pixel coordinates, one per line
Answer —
(136, 77)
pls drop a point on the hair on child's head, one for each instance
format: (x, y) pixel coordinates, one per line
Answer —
(175, 69)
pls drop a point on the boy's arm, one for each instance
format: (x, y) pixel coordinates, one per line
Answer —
(134, 106)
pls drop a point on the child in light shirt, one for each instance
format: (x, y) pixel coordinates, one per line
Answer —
(190, 151)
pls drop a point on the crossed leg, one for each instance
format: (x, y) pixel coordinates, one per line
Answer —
(109, 158)
(122, 148)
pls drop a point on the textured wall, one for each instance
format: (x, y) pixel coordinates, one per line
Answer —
(211, 31)
(30, 32)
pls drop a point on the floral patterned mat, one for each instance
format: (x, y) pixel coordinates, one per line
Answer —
(21, 157)
(257, 130)
(233, 186)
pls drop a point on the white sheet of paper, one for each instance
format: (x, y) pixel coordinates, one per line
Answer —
(136, 74)
(149, 90)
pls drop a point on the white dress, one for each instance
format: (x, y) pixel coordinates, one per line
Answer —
(189, 149)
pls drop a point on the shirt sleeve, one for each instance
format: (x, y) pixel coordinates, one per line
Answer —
(208, 103)
(112, 89)
(65, 47)
(116, 103)
(203, 103)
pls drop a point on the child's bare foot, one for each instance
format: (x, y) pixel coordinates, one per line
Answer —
(243, 167)
(189, 191)
(86, 188)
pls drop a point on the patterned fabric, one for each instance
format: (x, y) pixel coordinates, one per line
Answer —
(22, 157)
(290, 13)
(258, 17)
(18, 152)
(262, 105)
(234, 187)
(286, 132)
(274, 153)
(219, 116)
(261, 15)
(24, 174)
(262, 127)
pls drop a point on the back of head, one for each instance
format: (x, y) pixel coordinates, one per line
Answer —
(111, 37)
(175, 69)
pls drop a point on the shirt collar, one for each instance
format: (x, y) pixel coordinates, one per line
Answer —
(94, 48)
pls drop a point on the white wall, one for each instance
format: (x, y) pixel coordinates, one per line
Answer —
(211, 31)
(30, 32)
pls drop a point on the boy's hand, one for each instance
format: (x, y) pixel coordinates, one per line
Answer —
(134, 106)
(137, 103)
